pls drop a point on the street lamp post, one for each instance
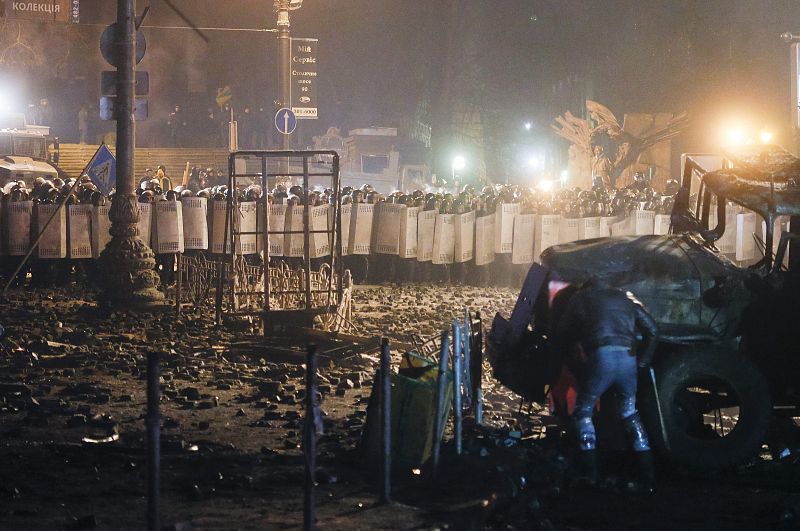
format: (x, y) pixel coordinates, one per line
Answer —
(127, 265)
(284, 61)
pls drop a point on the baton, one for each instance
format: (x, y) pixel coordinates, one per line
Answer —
(664, 436)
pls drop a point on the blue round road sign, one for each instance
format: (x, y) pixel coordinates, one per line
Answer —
(285, 121)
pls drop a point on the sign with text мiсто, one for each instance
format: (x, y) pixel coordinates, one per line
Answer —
(303, 68)
(44, 10)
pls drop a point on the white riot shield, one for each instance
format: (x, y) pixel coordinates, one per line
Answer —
(168, 227)
(361, 228)
(347, 214)
(504, 227)
(727, 242)
(218, 243)
(18, 217)
(319, 242)
(426, 223)
(745, 243)
(547, 231)
(80, 231)
(245, 223)
(662, 222)
(605, 226)
(569, 230)
(276, 226)
(408, 233)
(589, 228)
(444, 239)
(523, 238)
(642, 222)
(294, 243)
(145, 222)
(101, 225)
(623, 227)
(54, 240)
(465, 237)
(195, 222)
(387, 240)
(484, 239)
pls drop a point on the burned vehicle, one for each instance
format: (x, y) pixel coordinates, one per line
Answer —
(726, 370)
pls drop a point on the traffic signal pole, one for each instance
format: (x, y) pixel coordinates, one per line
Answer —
(127, 265)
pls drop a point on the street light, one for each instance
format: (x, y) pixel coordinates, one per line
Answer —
(459, 163)
(766, 136)
(528, 126)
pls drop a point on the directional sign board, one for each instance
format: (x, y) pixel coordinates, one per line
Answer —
(108, 108)
(304, 78)
(108, 83)
(285, 121)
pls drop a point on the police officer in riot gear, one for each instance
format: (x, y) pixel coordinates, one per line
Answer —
(604, 322)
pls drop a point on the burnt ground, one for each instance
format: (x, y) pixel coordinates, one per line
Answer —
(72, 454)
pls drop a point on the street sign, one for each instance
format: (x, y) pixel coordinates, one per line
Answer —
(108, 83)
(285, 121)
(303, 70)
(108, 40)
(44, 10)
(102, 170)
(108, 108)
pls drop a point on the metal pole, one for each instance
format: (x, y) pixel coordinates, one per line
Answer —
(310, 438)
(178, 287)
(153, 443)
(457, 416)
(477, 377)
(467, 346)
(284, 64)
(441, 390)
(386, 420)
(128, 275)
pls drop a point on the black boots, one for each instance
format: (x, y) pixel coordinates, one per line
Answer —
(587, 467)
(647, 476)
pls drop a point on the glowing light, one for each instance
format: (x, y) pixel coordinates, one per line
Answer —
(528, 126)
(546, 186)
(459, 163)
(736, 136)
(766, 136)
(564, 175)
(534, 161)
(416, 471)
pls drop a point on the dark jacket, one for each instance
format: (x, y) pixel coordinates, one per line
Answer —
(602, 316)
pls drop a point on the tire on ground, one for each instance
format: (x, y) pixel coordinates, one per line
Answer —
(689, 367)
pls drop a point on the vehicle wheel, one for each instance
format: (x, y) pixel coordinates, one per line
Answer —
(716, 407)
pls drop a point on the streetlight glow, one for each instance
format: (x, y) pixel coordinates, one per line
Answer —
(459, 163)
(766, 136)
(736, 136)
(528, 126)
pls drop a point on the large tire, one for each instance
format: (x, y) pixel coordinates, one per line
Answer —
(691, 441)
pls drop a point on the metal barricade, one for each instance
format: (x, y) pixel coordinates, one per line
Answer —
(259, 284)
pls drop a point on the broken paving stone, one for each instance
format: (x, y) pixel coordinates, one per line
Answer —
(240, 412)
(203, 425)
(270, 388)
(191, 393)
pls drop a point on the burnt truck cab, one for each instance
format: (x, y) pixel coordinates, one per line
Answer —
(727, 362)
(24, 152)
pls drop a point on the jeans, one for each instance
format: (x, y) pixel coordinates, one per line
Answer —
(609, 366)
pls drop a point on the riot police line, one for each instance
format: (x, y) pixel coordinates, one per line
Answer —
(485, 238)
